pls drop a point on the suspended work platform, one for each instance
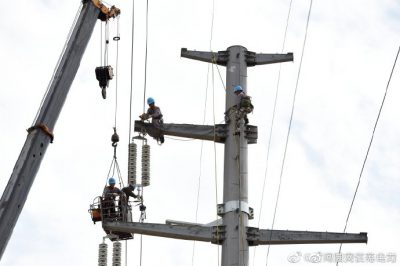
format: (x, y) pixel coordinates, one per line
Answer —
(108, 210)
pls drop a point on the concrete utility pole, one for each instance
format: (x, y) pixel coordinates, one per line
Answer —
(233, 234)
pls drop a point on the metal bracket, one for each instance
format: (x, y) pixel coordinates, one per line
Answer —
(235, 205)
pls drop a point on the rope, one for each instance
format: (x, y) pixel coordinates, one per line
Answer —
(290, 126)
(272, 126)
(204, 120)
(215, 160)
(131, 87)
(180, 139)
(145, 61)
(220, 77)
(369, 147)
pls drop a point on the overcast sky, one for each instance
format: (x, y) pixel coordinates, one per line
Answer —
(348, 57)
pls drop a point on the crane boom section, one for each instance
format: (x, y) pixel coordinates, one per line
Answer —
(40, 134)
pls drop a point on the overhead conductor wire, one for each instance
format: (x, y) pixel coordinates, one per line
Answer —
(272, 126)
(130, 100)
(204, 119)
(369, 147)
(289, 128)
(131, 87)
(144, 99)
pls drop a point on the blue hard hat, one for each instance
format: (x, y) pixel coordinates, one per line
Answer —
(111, 181)
(150, 100)
(237, 88)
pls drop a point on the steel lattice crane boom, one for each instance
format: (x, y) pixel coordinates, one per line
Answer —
(40, 134)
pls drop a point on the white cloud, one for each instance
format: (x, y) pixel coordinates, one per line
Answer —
(349, 54)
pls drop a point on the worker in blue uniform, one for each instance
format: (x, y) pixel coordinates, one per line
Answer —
(156, 118)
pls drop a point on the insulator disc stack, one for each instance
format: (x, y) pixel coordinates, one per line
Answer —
(132, 156)
(116, 259)
(145, 165)
(103, 254)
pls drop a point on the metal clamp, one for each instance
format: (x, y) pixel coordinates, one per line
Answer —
(235, 205)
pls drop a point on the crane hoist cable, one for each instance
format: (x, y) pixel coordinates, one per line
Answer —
(369, 147)
(105, 73)
(289, 127)
(145, 60)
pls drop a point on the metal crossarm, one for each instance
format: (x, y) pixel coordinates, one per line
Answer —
(257, 236)
(184, 232)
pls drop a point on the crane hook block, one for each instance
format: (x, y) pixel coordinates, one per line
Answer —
(104, 74)
(115, 138)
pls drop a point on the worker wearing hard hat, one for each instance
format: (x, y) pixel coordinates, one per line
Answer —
(109, 200)
(156, 117)
(111, 191)
(243, 103)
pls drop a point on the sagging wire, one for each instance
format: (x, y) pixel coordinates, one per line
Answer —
(272, 126)
(369, 147)
(215, 161)
(289, 128)
(204, 119)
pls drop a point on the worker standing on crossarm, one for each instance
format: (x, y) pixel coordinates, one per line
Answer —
(156, 117)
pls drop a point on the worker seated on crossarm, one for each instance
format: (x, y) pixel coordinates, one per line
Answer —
(156, 118)
(243, 103)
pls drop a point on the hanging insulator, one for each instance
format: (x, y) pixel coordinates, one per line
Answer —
(116, 260)
(145, 165)
(103, 254)
(132, 156)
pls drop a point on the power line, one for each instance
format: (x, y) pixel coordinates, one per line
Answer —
(131, 87)
(290, 125)
(369, 147)
(272, 125)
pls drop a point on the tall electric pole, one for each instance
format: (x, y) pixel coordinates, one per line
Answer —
(233, 234)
